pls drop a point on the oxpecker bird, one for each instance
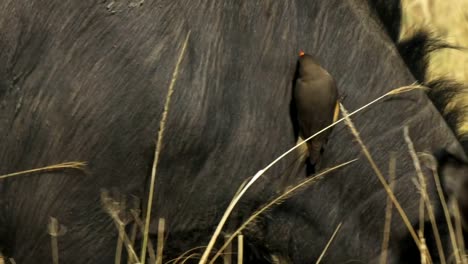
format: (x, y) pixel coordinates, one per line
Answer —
(316, 100)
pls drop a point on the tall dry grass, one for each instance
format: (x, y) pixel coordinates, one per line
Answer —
(448, 19)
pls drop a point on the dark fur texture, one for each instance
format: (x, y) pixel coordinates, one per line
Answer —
(415, 51)
(453, 171)
(86, 80)
(444, 91)
(389, 13)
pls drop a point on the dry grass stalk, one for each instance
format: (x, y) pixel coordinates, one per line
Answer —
(160, 245)
(239, 193)
(12, 261)
(227, 258)
(425, 256)
(110, 207)
(278, 200)
(120, 206)
(422, 185)
(126, 241)
(192, 256)
(424, 194)
(395, 91)
(240, 249)
(181, 257)
(226, 214)
(139, 224)
(261, 172)
(459, 230)
(54, 233)
(134, 211)
(328, 244)
(133, 233)
(118, 250)
(388, 209)
(380, 176)
(162, 125)
(453, 238)
(421, 212)
(77, 165)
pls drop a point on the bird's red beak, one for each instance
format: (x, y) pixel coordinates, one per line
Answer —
(301, 53)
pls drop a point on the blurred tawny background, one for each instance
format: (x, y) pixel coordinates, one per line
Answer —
(447, 19)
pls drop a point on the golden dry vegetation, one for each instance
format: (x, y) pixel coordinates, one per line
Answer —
(448, 19)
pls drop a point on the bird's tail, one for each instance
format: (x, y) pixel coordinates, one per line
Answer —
(315, 152)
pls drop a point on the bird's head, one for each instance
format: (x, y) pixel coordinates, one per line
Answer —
(309, 67)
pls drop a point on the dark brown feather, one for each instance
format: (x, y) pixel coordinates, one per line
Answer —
(315, 96)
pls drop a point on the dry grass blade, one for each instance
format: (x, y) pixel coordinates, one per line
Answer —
(109, 206)
(240, 249)
(408, 88)
(179, 258)
(328, 244)
(226, 214)
(261, 172)
(396, 91)
(277, 200)
(240, 191)
(118, 250)
(160, 245)
(440, 193)
(162, 125)
(140, 225)
(133, 233)
(77, 165)
(241, 187)
(193, 256)
(424, 252)
(388, 209)
(424, 194)
(54, 232)
(135, 212)
(423, 188)
(12, 261)
(380, 176)
(123, 236)
(421, 210)
(227, 258)
(459, 230)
